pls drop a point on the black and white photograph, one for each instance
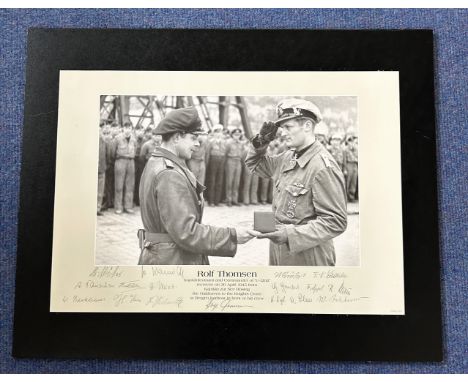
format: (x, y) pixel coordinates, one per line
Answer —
(199, 199)
(228, 180)
(242, 196)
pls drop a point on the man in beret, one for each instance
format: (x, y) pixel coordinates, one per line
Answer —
(171, 201)
(309, 199)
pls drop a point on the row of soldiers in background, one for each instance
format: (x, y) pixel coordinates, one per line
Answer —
(218, 164)
(123, 153)
(345, 152)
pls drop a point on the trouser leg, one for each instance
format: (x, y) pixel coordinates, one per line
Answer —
(139, 164)
(129, 184)
(230, 168)
(109, 185)
(270, 191)
(213, 181)
(351, 180)
(119, 177)
(247, 180)
(236, 181)
(254, 189)
(264, 183)
(101, 185)
(219, 180)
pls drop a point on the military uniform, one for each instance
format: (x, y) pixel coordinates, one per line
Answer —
(171, 202)
(125, 150)
(102, 167)
(139, 165)
(308, 201)
(216, 152)
(249, 182)
(197, 164)
(234, 151)
(337, 151)
(110, 169)
(146, 151)
(351, 164)
(338, 155)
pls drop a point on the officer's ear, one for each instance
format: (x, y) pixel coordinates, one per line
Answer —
(309, 126)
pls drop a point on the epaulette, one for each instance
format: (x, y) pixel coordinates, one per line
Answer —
(326, 160)
(168, 163)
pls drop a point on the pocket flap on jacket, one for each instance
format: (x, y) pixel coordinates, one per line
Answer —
(296, 191)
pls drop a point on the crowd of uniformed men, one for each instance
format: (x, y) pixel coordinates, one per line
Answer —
(218, 164)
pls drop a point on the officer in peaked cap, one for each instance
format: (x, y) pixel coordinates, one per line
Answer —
(171, 201)
(309, 200)
(296, 108)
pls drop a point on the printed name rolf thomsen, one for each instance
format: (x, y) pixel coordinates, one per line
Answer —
(212, 273)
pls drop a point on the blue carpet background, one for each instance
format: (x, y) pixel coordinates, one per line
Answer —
(451, 41)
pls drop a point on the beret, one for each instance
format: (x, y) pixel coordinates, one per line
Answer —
(185, 120)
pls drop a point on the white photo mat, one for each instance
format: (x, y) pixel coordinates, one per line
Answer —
(375, 287)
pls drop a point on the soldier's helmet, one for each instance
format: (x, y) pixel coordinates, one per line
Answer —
(217, 128)
(351, 134)
(297, 108)
(337, 137)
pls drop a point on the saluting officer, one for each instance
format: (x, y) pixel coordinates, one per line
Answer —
(171, 201)
(309, 200)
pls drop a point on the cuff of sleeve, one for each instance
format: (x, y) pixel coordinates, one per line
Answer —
(258, 144)
(233, 235)
(294, 240)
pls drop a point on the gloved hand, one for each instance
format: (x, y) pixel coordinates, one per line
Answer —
(268, 132)
(266, 135)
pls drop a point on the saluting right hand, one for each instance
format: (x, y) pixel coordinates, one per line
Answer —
(268, 132)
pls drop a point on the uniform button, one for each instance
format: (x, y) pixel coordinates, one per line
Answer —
(295, 194)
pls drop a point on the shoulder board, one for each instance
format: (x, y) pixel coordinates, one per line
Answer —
(326, 160)
(168, 163)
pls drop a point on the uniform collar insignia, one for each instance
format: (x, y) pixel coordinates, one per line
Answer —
(309, 154)
(291, 163)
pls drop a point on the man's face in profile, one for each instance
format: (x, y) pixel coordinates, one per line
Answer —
(186, 145)
(292, 131)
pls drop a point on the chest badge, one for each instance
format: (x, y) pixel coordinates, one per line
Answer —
(291, 211)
